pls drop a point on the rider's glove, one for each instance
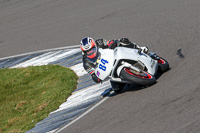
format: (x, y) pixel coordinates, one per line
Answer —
(112, 44)
(95, 78)
(145, 49)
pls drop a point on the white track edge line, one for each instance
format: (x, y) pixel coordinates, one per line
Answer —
(85, 113)
(40, 51)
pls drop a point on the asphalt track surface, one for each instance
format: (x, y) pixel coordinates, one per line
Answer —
(169, 27)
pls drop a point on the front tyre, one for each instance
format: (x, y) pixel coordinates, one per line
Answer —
(142, 78)
(163, 65)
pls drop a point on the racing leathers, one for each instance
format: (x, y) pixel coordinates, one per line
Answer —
(111, 44)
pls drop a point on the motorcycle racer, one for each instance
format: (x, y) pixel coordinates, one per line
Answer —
(90, 54)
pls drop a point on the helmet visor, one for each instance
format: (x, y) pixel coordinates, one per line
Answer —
(92, 54)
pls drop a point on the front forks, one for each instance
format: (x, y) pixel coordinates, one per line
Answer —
(128, 65)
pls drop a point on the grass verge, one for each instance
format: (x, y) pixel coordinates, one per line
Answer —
(28, 95)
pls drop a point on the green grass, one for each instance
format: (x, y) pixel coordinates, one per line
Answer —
(28, 95)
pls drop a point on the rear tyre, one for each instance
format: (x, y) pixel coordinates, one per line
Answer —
(118, 90)
(117, 87)
(142, 78)
(163, 65)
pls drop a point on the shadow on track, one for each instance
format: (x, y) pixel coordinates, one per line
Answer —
(136, 87)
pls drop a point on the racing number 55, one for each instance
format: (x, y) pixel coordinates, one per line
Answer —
(102, 66)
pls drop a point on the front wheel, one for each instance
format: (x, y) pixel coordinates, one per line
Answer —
(163, 65)
(142, 78)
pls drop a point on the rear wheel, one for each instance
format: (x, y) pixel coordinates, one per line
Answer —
(117, 87)
(142, 78)
(118, 90)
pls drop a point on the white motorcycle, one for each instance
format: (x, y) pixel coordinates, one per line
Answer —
(127, 65)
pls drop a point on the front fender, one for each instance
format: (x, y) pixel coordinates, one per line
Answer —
(119, 69)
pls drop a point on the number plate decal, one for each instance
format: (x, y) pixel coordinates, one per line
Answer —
(102, 66)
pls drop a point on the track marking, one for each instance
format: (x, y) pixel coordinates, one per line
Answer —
(85, 113)
(40, 51)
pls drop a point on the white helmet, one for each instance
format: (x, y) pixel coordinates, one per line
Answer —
(89, 47)
(87, 43)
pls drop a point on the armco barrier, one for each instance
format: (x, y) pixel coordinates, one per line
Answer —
(86, 95)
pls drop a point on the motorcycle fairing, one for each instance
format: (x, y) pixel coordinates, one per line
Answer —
(122, 53)
(105, 65)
